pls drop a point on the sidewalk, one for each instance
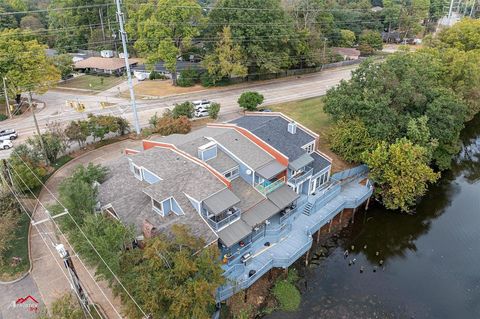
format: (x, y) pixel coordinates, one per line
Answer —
(49, 277)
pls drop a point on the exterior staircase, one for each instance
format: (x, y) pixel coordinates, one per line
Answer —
(307, 208)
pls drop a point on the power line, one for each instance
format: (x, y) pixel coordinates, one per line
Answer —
(63, 235)
(81, 231)
(55, 9)
(43, 239)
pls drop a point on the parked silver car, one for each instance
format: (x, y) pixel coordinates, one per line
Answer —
(8, 135)
(6, 144)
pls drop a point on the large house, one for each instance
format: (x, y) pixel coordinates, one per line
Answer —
(256, 187)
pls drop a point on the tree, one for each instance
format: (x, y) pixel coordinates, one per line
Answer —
(226, 60)
(347, 38)
(53, 143)
(9, 218)
(78, 194)
(65, 307)
(250, 100)
(26, 166)
(164, 29)
(213, 110)
(463, 35)
(173, 276)
(167, 125)
(64, 64)
(350, 139)
(370, 41)
(78, 131)
(25, 64)
(252, 30)
(184, 109)
(188, 77)
(401, 172)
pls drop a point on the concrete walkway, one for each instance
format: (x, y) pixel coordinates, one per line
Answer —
(48, 271)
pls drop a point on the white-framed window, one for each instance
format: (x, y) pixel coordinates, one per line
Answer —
(157, 206)
(232, 174)
(309, 147)
(137, 171)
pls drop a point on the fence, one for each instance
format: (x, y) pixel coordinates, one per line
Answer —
(353, 172)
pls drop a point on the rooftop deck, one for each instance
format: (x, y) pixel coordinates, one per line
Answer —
(290, 240)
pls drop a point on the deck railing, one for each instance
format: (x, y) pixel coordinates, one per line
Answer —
(301, 177)
(224, 222)
(265, 189)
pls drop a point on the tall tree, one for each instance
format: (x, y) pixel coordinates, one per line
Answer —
(463, 35)
(164, 30)
(226, 60)
(401, 172)
(24, 63)
(173, 277)
(262, 29)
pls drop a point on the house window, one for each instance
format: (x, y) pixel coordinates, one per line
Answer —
(137, 171)
(157, 206)
(309, 148)
(232, 174)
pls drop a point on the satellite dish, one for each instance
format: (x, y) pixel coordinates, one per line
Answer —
(249, 172)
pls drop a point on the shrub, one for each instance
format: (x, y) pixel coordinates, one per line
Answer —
(167, 125)
(185, 109)
(188, 77)
(213, 110)
(370, 41)
(286, 293)
(3, 117)
(250, 100)
(207, 80)
(154, 75)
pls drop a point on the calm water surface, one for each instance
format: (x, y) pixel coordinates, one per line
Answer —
(431, 260)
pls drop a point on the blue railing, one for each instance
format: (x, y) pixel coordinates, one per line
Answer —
(301, 177)
(350, 173)
(224, 222)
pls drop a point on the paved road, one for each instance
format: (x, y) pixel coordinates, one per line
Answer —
(275, 91)
(10, 293)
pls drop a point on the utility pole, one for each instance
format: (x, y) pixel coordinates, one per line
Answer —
(450, 10)
(324, 49)
(74, 280)
(6, 97)
(100, 14)
(36, 126)
(123, 34)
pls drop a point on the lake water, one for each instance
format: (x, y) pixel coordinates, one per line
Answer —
(431, 265)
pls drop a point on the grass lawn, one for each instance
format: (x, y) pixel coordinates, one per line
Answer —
(91, 82)
(19, 249)
(160, 88)
(310, 113)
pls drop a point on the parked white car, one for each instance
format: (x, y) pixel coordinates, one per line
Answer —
(201, 104)
(6, 144)
(8, 135)
(201, 113)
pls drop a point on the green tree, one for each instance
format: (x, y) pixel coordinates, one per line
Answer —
(370, 41)
(184, 109)
(26, 165)
(213, 110)
(347, 38)
(226, 60)
(350, 139)
(173, 276)
(65, 307)
(53, 143)
(164, 29)
(64, 64)
(249, 101)
(401, 173)
(9, 218)
(462, 35)
(25, 64)
(252, 30)
(78, 131)
(188, 77)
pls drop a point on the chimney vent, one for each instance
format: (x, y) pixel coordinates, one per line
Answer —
(292, 128)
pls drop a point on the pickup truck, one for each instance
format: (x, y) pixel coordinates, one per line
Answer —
(8, 135)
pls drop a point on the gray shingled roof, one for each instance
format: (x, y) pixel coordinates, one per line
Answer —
(319, 162)
(178, 174)
(221, 201)
(300, 162)
(247, 151)
(273, 130)
(132, 206)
